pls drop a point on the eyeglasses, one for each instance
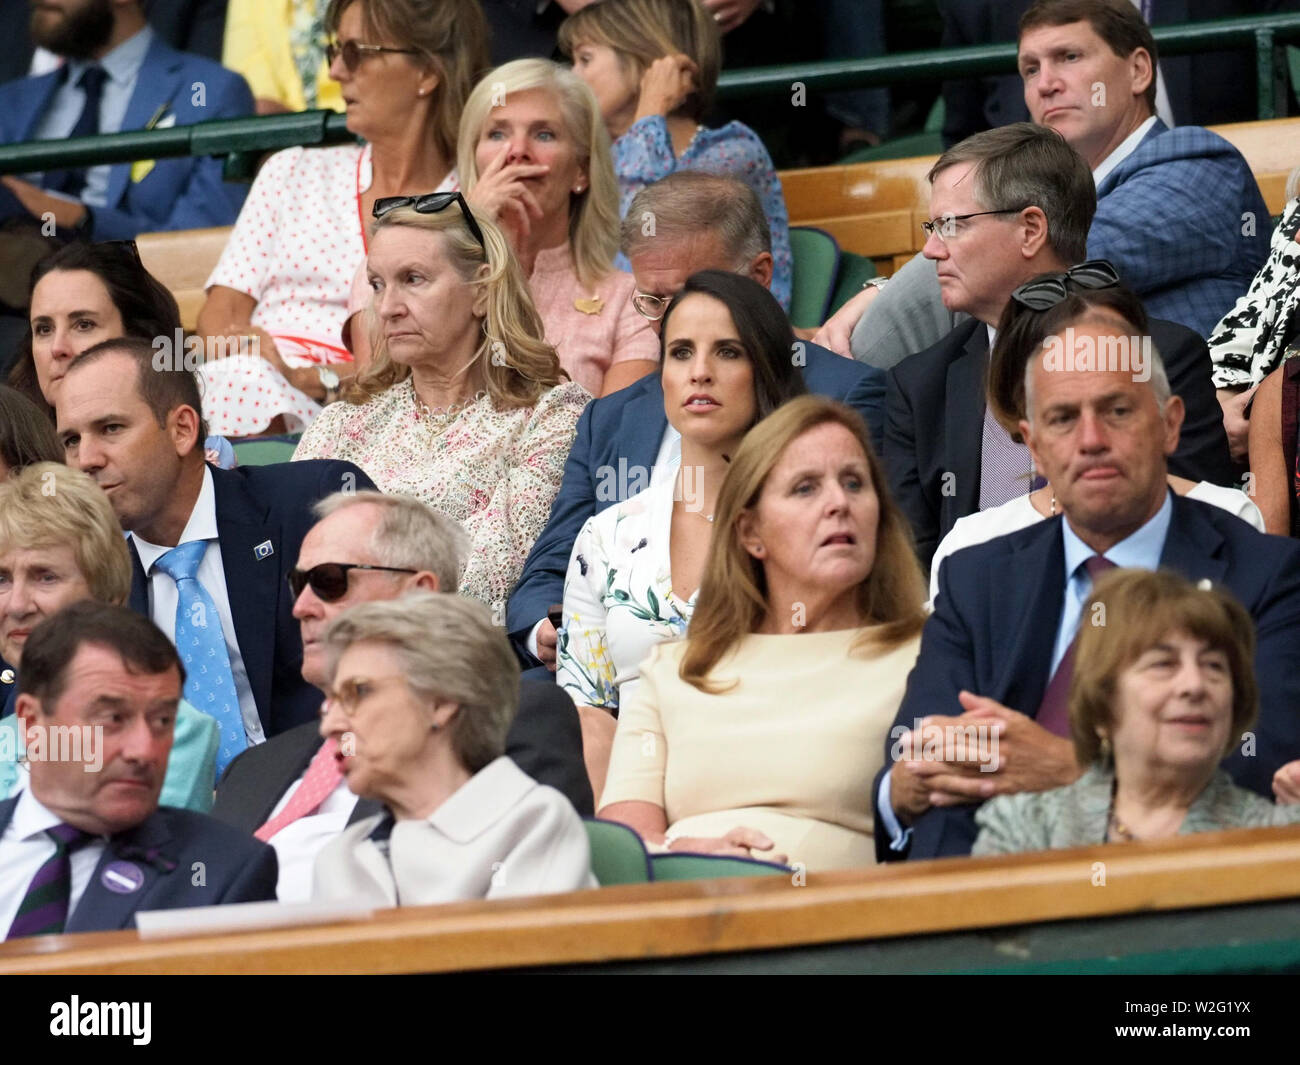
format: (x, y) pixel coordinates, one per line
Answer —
(946, 227)
(1043, 293)
(651, 307)
(431, 203)
(352, 692)
(329, 580)
(352, 52)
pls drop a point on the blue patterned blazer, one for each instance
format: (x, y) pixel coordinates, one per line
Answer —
(1183, 221)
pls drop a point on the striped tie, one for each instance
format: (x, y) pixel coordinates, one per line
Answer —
(44, 909)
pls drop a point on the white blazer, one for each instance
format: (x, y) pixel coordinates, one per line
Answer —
(501, 834)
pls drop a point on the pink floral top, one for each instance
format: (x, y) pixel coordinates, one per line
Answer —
(494, 471)
(588, 342)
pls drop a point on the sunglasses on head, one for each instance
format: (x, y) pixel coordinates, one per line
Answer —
(1045, 293)
(431, 203)
(329, 580)
(353, 53)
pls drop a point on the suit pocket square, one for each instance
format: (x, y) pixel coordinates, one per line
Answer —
(140, 170)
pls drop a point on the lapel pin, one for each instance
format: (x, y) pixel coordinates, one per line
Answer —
(263, 550)
(122, 877)
(7, 676)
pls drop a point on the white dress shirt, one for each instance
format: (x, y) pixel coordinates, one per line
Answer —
(25, 847)
(297, 844)
(163, 597)
(122, 65)
(1126, 148)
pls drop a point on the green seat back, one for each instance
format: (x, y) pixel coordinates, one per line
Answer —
(264, 452)
(617, 854)
(855, 270)
(816, 262)
(710, 867)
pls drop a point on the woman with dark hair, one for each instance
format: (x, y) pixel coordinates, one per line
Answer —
(653, 65)
(26, 435)
(759, 735)
(726, 363)
(1040, 310)
(82, 294)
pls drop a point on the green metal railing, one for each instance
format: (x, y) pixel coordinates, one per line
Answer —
(243, 140)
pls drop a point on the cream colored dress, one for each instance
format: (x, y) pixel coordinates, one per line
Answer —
(791, 750)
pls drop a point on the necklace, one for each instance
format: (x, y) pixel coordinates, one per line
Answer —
(443, 415)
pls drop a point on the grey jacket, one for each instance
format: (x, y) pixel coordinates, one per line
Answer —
(1077, 814)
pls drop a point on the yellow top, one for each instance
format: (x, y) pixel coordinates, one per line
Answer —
(791, 750)
(260, 45)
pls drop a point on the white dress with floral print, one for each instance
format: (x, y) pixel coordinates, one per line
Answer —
(618, 598)
(495, 471)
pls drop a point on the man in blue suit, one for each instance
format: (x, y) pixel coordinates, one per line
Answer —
(689, 221)
(134, 426)
(1007, 610)
(84, 846)
(118, 75)
(1178, 211)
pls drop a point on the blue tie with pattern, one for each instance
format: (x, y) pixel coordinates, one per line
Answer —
(209, 683)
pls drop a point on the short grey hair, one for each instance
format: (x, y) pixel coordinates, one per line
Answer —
(409, 535)
(691, 201)
(450, 651)
(1024, 165)
(1159, 379)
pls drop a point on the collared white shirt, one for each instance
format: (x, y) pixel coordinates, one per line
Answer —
(122, 65)
(25, 847)
(297, 844)
(1126, 148)
(163, 597)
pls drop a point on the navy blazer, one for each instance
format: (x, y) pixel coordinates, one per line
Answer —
(616, 445)
(995, 622)
(186, 193)
(256, 506)
(935, 423)
(187, 859)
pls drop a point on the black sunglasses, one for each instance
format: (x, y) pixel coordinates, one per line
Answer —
(329, 580)
(1044, 293)
(352, 52)
(431, 203)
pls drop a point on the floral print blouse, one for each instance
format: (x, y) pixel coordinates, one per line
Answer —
(618, 598)
(644, 154)
(496, 471)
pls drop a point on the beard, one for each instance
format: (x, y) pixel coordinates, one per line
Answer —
(75, 34)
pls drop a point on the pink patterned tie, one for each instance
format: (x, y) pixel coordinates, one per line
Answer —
(1054, 711)
(322, 777)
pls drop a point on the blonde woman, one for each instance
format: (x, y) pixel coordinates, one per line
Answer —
(464, 405)
(653, 65)
(759, 735)
(60, 544)
(534, 157)
(404, 68)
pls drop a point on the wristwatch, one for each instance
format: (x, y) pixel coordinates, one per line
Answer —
(330, 382)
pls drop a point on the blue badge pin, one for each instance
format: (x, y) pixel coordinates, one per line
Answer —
(263, 550)
(122, 877)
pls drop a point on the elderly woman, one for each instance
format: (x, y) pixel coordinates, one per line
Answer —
(636, 567)
(26, 434)
(405, 67)
(463, 406)
(1161, 691)
(421, 726)
(82, 294)
(759, 734)
(1031, 319)
(653, 65)
(60, 544)
(534, 158)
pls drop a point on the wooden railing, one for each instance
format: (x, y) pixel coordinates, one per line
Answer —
(721, 917)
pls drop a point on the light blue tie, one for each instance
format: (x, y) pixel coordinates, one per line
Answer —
(209, 683)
